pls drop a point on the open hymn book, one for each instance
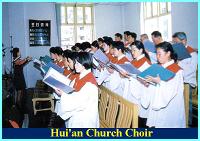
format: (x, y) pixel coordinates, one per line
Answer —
(57, 80)
(156, 70)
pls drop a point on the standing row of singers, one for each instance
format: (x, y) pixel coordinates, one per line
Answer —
(160, 105)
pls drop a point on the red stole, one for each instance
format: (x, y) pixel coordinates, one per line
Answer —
(111, 58)
(79, 83)
(190, 49)
(174, 68)
(140, 62)
(66, 72)
(60, 64)
(122, 60)
(73, 76)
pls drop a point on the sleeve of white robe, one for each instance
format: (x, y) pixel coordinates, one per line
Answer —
(189, 67)
(166, 91)
(78, 100)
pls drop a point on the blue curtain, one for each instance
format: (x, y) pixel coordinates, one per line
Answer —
(58, 22)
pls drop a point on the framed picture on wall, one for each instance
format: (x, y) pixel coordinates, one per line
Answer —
(39, 33)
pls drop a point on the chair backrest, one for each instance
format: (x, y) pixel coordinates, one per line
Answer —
(115, 111)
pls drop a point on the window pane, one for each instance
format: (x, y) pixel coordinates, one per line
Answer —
(148, 9)
(155, 8)
(70, 15)
(67, 36)
(151, 25)
(165, 27)
(63, 14)
(88, 15)
(169, 6)
(79, 14)
(163, 8)
(84, 33)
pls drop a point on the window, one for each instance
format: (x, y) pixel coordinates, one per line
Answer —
(156, 16)
(76, 24)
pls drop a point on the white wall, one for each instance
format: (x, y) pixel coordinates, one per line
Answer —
(185, 18)
(108, 20)
(132, 17)
(6, 38)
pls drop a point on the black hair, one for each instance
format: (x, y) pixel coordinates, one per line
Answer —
(133, 35)
(85, 59)
(73, 48)
(167, 47)
(85, 45)
(126, 32)
(156, 34)
(139, 45)
(15, 51)
(66, 53)
(119, 45)
(108, 40)
(52, 50)
(100, 40)
(78, 45)
(95, 44)
(58, 50)
(118, 35)
(72, 56)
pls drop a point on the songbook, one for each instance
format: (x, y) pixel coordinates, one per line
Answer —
(37, 62)
(181, 51)
(154, 70)
(101, 57)
(127, 67)
(149, 46)
(56, 80)
(46, 59)
(46, 67)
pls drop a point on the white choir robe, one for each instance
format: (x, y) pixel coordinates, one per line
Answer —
(167, 108)
(113, 83)
(138, 94)
(80, 109)
(189, 66)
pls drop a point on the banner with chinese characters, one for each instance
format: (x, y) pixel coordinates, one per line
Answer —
(39, 32)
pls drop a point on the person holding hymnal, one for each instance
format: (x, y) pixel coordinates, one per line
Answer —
(134, 91)
(189, 66)
(113, 80)
(19, 80)
(52, 52)
(59, 57)
(167, 108)
(80, 108)
(69, 72)
(149, 47)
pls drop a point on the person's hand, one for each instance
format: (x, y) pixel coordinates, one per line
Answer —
(124, 74)
(59, 92)
(153, 79)
(145, 83)
(28, 58)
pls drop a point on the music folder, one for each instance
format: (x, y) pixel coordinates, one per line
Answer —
(56, 80)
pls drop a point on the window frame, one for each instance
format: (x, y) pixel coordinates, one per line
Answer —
(155, 17)
(75, 23)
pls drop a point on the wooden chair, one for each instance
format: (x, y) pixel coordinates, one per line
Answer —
(115, 111)
(186, 102)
